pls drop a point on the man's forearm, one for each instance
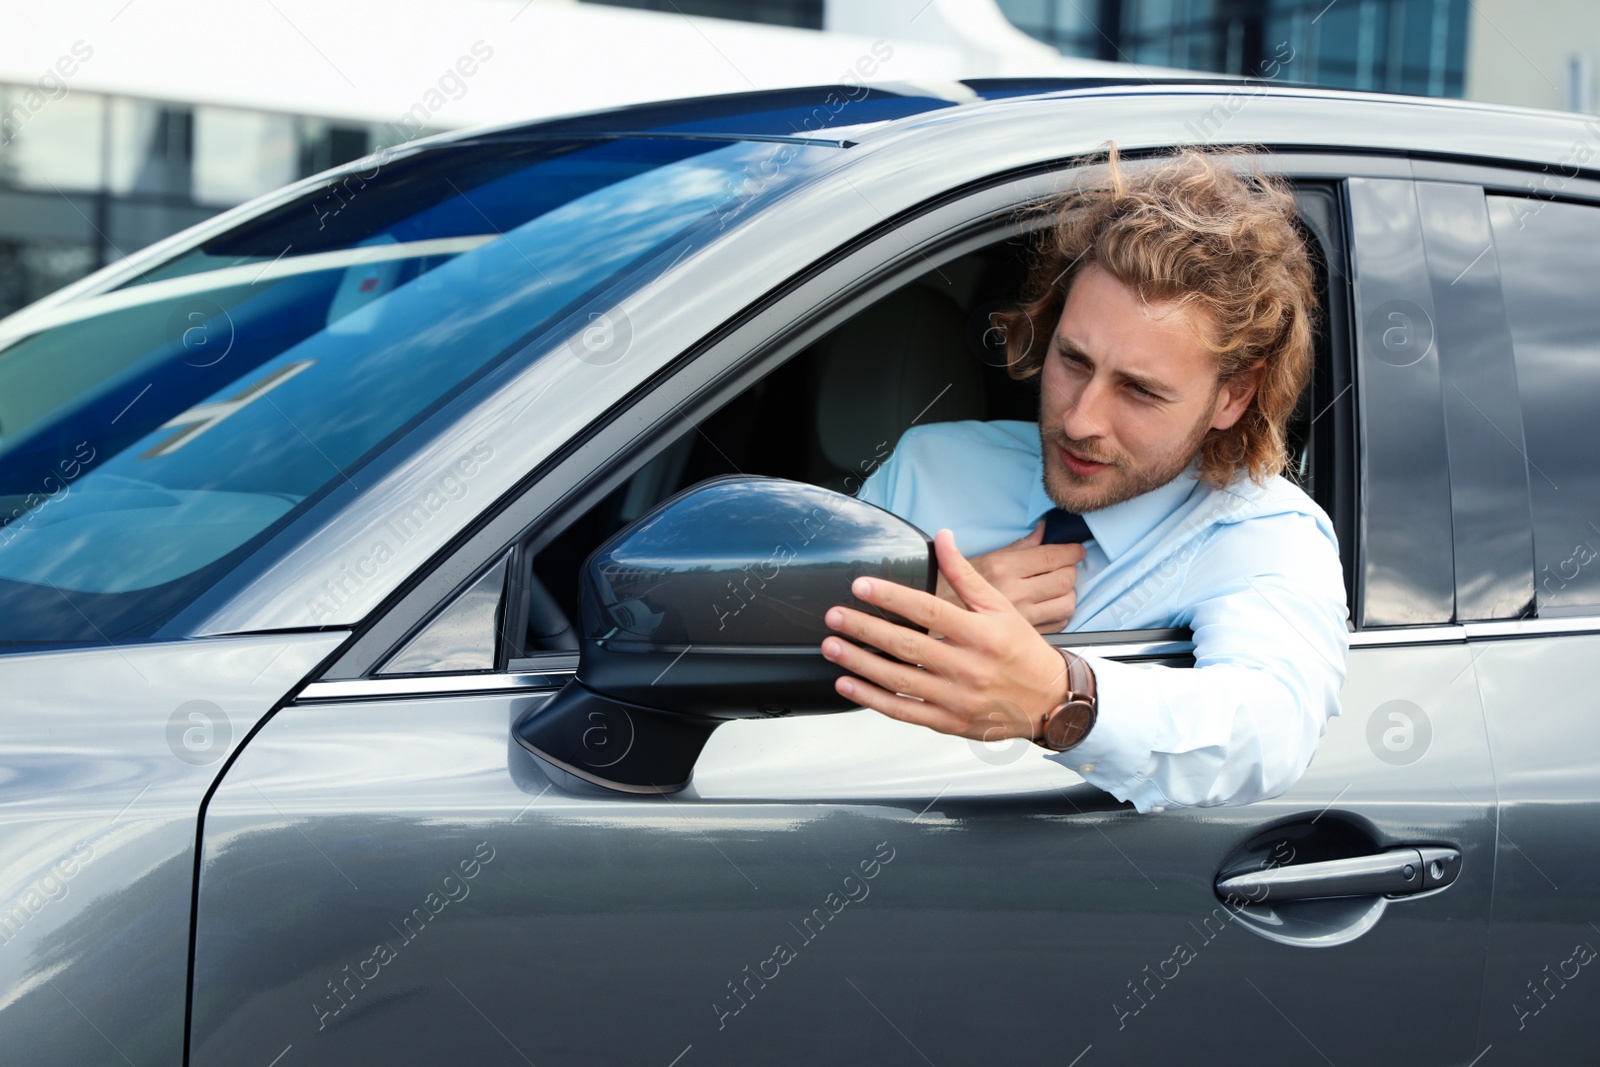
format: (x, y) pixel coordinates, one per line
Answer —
(1222, 734)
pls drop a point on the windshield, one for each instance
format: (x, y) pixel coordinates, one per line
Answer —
(154, 434)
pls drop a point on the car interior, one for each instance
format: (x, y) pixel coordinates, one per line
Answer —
(924, 353)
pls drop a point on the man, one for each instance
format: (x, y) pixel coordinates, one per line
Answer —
(1170, 321)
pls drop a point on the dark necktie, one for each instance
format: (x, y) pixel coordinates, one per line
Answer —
(1062, 527)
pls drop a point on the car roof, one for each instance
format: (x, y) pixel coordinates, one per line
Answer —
(850, 113)
(807, 112)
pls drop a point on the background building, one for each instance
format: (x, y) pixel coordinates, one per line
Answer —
(1399, 46)
(805, 14)
(123, 121)
(1544, 54)
(93, 176)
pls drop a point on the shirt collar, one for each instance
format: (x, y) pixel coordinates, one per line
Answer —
(1121, 526)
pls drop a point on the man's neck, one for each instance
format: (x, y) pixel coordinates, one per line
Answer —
(1118, 527)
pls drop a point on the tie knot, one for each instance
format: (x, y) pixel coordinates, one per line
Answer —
(1064, 527)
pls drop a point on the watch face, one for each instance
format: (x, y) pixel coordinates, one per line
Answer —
(1068, 725)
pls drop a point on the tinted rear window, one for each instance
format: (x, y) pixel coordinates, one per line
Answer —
(1549, 259)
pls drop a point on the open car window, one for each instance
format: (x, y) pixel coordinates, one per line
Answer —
(830, 415)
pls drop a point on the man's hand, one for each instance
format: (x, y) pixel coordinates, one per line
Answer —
(1039, 579)
(991, 677)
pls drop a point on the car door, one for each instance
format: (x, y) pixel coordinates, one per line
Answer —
(388, 876)
(1532, 301)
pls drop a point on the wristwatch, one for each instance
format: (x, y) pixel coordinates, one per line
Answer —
(1069, 722)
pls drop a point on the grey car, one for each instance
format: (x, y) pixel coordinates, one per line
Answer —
(304, 511)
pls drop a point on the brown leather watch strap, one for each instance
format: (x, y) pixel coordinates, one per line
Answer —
(1064, 726)
(1086, 685)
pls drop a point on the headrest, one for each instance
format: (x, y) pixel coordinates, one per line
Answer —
(902, 362)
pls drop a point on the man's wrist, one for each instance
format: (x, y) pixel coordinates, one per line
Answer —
(1086, 672)
(1069, 721)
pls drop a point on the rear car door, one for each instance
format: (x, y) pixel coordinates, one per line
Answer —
(1527, 264)
(387, 875)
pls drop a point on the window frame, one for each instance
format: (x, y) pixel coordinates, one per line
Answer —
(1490, 507)
(769, 333)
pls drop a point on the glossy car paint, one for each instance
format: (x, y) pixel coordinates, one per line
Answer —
(1012, 884)
(1539, 704)
(108, 755)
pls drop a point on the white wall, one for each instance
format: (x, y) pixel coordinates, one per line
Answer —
(1518, 51)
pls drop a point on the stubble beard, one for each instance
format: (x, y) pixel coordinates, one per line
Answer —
(1122, 481)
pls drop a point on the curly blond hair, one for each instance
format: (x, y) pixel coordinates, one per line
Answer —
(1194, 229)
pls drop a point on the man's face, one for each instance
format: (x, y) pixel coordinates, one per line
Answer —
(1127, 395)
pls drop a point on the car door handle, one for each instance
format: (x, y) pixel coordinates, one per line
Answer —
(1397, 872)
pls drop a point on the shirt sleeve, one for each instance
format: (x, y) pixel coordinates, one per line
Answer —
(877, 489)
(1269, 616)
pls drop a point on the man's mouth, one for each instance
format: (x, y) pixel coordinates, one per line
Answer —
(1080, 466)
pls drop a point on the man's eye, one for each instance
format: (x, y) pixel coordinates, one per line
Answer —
(1142, 391)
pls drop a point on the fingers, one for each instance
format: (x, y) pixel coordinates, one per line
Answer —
(1046, 586)
(925, 609)
(943, 591)
(886, 674)
(923, 713)
(1034, 536)
(905, 644)
(1052, 616)
(1041, 559)
(973, 588)
(972, 684)
(1027, 594)
(1019, 562)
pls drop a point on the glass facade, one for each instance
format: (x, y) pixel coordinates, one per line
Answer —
(1399, 46)
(86, 178)
(1072, 26)
(806, 14)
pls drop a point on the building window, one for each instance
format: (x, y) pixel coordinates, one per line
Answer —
(806, 14)
(238, 155)
(1398, 46)
(327, 144)
(34, 268)
(151, 148)
(46, 142)
(86, 179)
(1071, 26)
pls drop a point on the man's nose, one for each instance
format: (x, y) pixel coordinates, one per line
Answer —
(1084, 415)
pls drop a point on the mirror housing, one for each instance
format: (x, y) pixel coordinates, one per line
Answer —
(708, 608)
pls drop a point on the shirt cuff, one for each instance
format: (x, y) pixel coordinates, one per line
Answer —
(1118, 747)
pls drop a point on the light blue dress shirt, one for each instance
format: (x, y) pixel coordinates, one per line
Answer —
(1252, 570)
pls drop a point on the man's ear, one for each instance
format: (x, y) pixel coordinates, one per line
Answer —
(1234, 395)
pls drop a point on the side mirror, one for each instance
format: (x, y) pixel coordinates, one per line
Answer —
(709, 608)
